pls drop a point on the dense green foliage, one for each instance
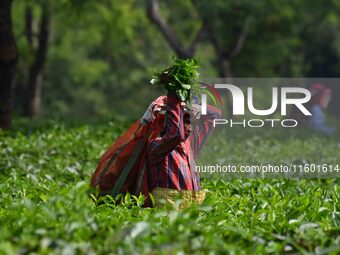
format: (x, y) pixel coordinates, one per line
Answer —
(100, 52)
(45, 207)
(98, 65)
(180, 77)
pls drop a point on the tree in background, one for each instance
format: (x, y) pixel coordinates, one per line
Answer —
(174, 42)
(248, 38)
(8, 61)
(99, 56)
(223, 54)
(100, 52)
(38, 43)
(225, 26)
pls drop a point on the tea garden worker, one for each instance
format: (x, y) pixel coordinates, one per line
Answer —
(171, 156)
(321, 96)
(157, 153)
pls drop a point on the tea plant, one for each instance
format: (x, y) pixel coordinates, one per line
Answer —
(46, 206)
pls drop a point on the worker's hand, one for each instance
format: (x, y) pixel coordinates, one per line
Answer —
(195, 111)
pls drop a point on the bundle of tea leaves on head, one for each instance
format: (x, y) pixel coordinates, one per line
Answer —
(180, 78)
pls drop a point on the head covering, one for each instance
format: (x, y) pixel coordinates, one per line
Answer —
(320, 94)
(318, 88)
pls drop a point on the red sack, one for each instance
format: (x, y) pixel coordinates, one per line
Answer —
(123, 166)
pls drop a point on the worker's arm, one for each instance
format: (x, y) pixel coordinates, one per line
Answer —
(173, 133)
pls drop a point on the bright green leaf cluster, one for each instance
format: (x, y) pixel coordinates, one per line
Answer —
(180, 77)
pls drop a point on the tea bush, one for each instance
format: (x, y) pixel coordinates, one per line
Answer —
(46, 207)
